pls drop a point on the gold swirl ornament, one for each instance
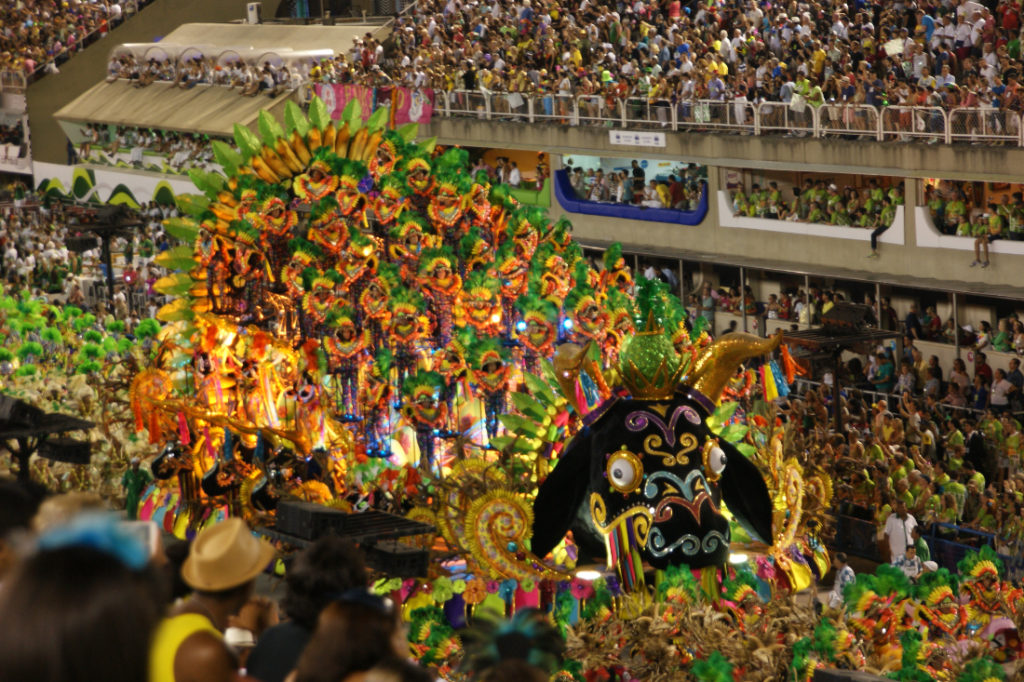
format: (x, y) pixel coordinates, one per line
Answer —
(422, 515)
(452, 516)
(497, 527)
(640, 515)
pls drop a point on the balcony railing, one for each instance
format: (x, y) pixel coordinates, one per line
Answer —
(978, 125)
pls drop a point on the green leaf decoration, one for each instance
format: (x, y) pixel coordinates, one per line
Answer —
(746, 449)
(378, 119)
(722, 414)
(408, 132)
(269, 127)
(248, 144)
(427, 146)
(734, 432)
(183, 229)
(539, 389)
(318, 115)
(226, 156)
(528, 406)
(192, 204)
(174, 285)
(520, 426)
(209, 183)
(175, 311)
(501, 442)
(353, 115)
(295, 120)
(178, 258)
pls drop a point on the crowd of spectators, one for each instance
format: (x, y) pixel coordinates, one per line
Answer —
(126, 145)
(950, 54)
(953, 212)
(36, 36)
(34, 257)
(822, 201)
(98, 598)
(680, 190)
(249, 79)
(911, 458)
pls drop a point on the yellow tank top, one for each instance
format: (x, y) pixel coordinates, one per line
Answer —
(170, 634)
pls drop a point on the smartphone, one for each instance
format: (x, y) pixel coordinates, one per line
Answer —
(146, 532)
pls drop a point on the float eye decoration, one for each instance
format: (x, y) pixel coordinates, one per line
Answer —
(625, 470)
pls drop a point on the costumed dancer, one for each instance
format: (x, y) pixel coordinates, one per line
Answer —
(490, 371)
(420, 181)
(445, 211)
(346, 350)
(407, 239)
(373, 301)
(212, 256)
(423, 408)
(437, 277)
(375, 402)
(479, 304)
(276, 223)
(536, 330)
(513, 278)
(406, 328)
(451, 364)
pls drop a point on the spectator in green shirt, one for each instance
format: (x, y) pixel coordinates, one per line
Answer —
(885, 221)
(884, 374)
(937, 208)
(993, 231)
(956, 209)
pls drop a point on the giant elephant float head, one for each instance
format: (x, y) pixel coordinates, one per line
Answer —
(648, 466)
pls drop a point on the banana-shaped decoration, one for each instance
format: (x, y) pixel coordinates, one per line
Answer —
(341, 140)
(275, 162)
(370, 148)
(355, 149)
(288, 156)
(330, 135)
(263, 171)
(227, 198)
(300, 149)
(314, 140)
(222, 211)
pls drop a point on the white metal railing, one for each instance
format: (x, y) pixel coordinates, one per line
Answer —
(849, 121)
(984, 125)
(597, 110)
(778, 117)
(894, 123)
(903, 123)
(12, 81)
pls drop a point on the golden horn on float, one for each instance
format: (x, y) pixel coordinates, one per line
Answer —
(716, 364)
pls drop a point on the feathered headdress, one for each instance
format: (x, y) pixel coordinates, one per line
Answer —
(528, 636)
(977, 564)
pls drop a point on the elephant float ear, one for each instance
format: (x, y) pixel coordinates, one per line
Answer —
(745, 493)
(561, 494)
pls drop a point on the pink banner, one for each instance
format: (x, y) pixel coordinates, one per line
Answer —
(336, 96)
(408, 105)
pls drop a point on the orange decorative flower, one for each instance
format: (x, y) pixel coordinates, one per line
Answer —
(476, 591)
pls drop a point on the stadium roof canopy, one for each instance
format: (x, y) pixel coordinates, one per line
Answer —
(206, 109)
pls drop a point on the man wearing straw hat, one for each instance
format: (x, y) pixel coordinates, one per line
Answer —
(221, 567)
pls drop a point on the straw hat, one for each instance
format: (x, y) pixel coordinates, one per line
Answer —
(224, 556)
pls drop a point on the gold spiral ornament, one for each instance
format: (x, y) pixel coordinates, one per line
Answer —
(497, 527)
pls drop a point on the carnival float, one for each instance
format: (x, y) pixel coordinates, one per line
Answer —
(360, 325)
